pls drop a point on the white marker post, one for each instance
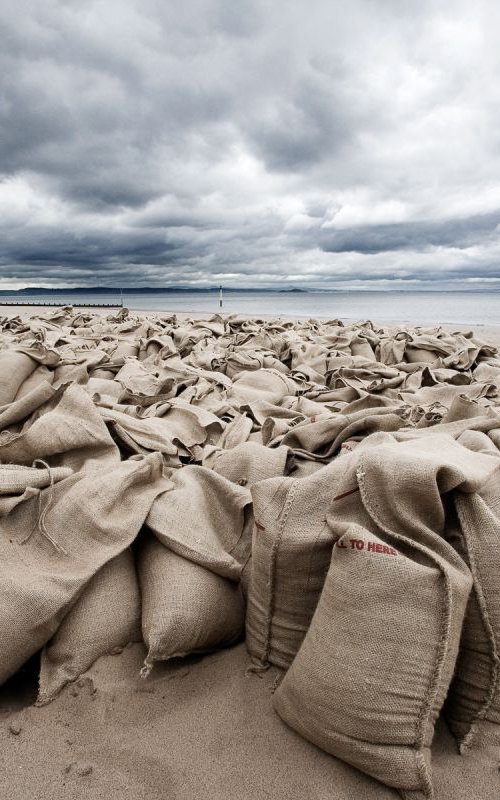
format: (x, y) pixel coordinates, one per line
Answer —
(220, 296)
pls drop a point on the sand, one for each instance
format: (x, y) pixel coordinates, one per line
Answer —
(197, 728)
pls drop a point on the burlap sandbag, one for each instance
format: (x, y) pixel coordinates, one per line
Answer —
(140, 435)
(321, 439)
(267, 384)
(202, 517)
(401, 486)
(371, 676)
(40, 375)
(105, 618)
(291, 553)
(23, 407)
(15, 368)
(402, 483)
(66, 431)
(250, 462)
(473, 708)
(236, 431)
(53, 544)
(185, 607)
(189, 425)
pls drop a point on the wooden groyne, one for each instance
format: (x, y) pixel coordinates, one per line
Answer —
(58, 305)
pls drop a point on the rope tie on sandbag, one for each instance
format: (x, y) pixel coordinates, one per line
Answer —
(43, 509)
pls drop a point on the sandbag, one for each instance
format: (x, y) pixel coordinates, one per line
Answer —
(23, 407)
(236, 431)
(105, 618)
(372, 673)
(250, 462)
(53, 544)
(189, 425)
(403, 488)
(262, 384)
(473, 708)
(41, 374)
(66, 431)
(202, 517)
(186, 608)
(15, 368)
(321, 439)
(140, 435)
(291, 551)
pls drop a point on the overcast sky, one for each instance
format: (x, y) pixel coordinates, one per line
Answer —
(325, 143)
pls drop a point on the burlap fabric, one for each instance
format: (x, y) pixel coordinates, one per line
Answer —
(202, 517)
(104, 618)
(15, 368)
(65, 431)
(250, 462)
(18, 483)
(186, 608)
(473, 709)
(356, 687)
(51, 545)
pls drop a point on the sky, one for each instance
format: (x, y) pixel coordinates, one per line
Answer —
(322, 144)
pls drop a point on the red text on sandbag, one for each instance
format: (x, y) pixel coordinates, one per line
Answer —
(371, 547)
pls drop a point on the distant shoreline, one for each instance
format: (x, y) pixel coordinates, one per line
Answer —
(134, 290)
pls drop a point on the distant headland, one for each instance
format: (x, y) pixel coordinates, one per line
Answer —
(47, 290)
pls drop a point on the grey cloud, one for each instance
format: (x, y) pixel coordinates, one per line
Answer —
(459, 233)
(301, 130)
(159, 142)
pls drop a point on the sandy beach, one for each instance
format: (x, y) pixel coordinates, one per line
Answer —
(204, 725)
(200, 728)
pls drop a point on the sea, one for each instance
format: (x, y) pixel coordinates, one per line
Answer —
(424, 308)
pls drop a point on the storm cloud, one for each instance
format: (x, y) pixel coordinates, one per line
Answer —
(312, 144)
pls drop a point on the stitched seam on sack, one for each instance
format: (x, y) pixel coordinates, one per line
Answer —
(272, 570)
(314, 550)
(240, 537)
(463, 516)
(445, 623)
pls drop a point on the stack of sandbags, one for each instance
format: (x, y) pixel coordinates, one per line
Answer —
(374, 668)
(262, 425)
(54, 542)
(190, 569)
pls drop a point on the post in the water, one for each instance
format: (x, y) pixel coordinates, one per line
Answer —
(220, 296)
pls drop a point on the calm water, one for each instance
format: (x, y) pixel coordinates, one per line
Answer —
(478, 308)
